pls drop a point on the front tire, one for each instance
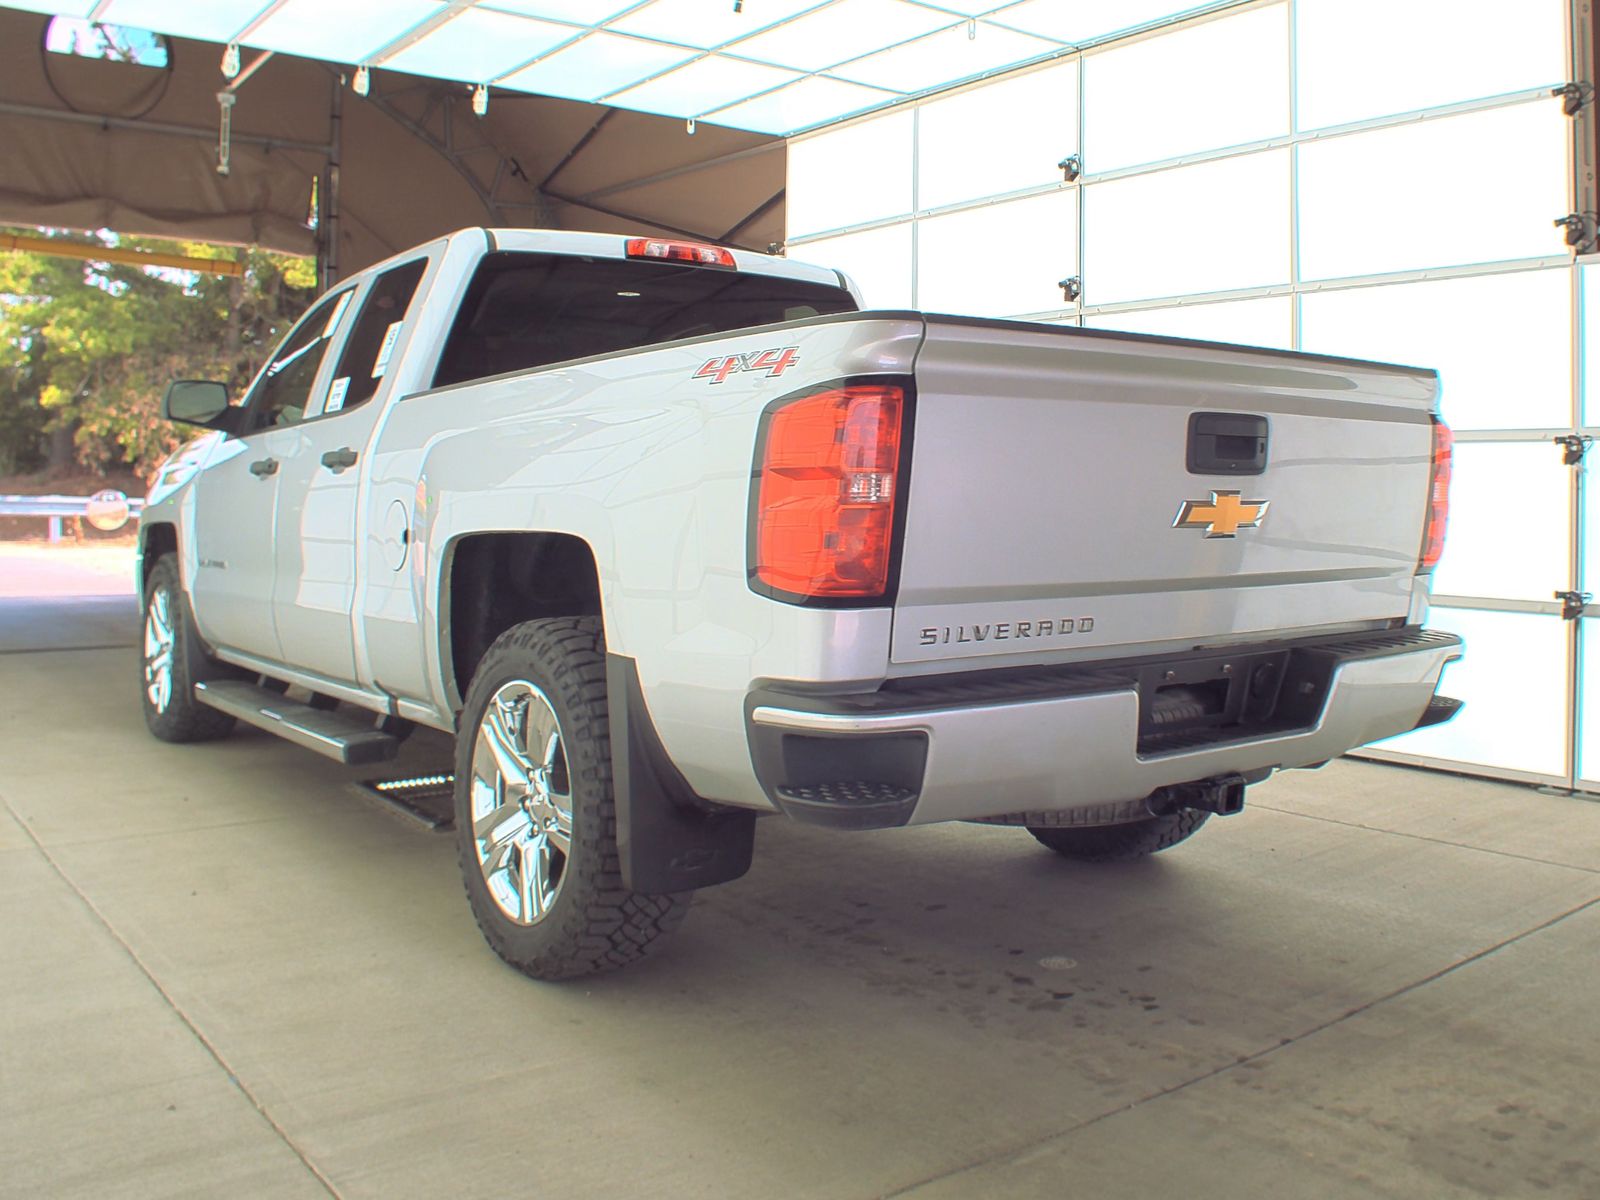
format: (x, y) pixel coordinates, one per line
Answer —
(172, 660)
(1121, 843)
(535, 811)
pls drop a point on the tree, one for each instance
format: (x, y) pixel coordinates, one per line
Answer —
(87, 348)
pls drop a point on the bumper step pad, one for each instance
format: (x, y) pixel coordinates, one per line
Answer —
(848, 804)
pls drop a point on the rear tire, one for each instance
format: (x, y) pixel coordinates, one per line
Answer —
(1125, 842)
(172, 660)
(536, 817)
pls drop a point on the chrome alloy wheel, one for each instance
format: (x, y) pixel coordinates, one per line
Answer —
(521, 801)
(159, 636)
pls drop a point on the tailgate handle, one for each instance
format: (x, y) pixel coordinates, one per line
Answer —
(1227, 444)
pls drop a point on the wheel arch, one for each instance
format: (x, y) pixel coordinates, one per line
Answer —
(155, 539)
(494, 580)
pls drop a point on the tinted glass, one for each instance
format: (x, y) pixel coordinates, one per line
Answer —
(530, 310)
(371, 345)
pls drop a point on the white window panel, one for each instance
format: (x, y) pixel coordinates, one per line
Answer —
(363, 27)
(1268, 321)
(1078, 21)
(998, 137)
(847, 176)
(216, 21)
(1514, 682)
(1482, 187)
(1589, 280)
(697, 23)
(705, 84)
(600, 63)
(1219, 83)
(1502, 344)
(577, 12)
(1510, 529)
(1589, 705)
(814, 100)
(1591, 535)
(1369, 58)
(480, 45)
(970, 8)
(845, 29)
(948, 57)
(878, 260)
(1210, 227)
(1001, 260)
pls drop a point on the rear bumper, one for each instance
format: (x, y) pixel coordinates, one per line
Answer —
(1069, 740)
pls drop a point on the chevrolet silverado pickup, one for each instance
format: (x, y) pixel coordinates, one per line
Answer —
(670, 536)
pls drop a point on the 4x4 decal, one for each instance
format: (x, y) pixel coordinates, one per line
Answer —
(773, 362)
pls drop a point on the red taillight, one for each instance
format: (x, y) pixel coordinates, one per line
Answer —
(826, 486)
(1438, 498)
(696, 253)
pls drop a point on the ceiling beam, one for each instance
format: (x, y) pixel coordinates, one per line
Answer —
(577, 148)
(418, 31)
(755, 215)
(257, 21)
(105, 121)
(698, 235)
(687, 169)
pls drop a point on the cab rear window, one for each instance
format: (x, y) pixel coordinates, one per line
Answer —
(531, 310)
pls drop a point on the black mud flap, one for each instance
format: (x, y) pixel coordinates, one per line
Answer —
(668, 838)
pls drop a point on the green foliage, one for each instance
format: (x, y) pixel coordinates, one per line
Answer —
(91, 346)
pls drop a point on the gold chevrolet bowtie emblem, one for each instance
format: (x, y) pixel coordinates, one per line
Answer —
(1222, 516)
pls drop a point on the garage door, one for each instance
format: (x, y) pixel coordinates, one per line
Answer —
(1339, 176)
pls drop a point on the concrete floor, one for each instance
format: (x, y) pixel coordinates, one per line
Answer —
(223, 972)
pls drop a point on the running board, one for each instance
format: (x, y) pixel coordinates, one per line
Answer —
(340, 736)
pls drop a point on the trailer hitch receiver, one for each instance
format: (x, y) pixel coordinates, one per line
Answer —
(1221, 794)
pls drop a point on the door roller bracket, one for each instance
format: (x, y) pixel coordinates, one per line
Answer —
(1576, 226)
(1573, 447)
(1574, 96)
(1573, 604)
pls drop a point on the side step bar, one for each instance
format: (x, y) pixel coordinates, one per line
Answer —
(340, 736)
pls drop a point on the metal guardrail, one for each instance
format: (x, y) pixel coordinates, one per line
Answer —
(106, 510)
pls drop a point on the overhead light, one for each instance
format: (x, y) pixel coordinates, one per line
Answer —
(689, 125)
(630, 294)
(362, 82)
(230, 60)
(480, 99)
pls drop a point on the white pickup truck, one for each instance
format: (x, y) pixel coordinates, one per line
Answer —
(671, 536)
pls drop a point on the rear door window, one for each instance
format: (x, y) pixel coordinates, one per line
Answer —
(531, 310)
(370, 348)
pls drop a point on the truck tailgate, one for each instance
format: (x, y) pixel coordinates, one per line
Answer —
(1056, 502)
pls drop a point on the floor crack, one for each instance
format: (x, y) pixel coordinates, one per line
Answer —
(1419, 837)
(188, 1022)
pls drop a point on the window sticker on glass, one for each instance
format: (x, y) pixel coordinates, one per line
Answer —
(338, 311)
(336, 394)
(384, 351)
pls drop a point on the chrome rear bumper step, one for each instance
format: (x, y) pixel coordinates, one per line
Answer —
(338, 735)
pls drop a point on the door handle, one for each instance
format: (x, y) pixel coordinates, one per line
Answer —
(263, 467)
(338, 460)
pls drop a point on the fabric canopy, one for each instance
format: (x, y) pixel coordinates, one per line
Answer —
(97, 144)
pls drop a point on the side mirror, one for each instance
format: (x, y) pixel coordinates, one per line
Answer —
(196, 402)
